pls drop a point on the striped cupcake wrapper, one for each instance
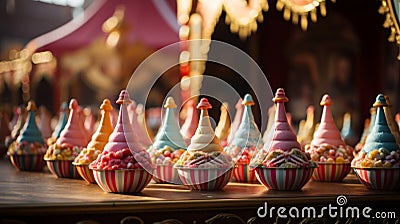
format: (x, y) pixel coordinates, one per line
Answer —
(166, 174)
(28, 162)
(122, 181)
(286, 179)
(86, 173)
(243, 174)
(204, 179)
(331, 172)
(62, 168)
(379, 179)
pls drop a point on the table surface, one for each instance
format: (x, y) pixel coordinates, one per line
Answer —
(30, 191)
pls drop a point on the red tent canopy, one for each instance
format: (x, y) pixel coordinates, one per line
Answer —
(152, 22)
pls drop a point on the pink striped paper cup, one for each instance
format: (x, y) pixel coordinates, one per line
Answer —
(203, 179)
(284, 179)
(379, 178)
(62, 168)
(122, 181)
(166, 174)
(331, 172)
(28, 162)
(85, 173)
(243, 174)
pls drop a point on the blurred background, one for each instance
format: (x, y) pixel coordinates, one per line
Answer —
(345, 53)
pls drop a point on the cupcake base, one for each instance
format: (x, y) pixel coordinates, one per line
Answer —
(242, 173)
(166, 174)
(28, 162)
(198, 179)
(379, 178)
(122, 181)
(85, 173)
(62, 168)
(284, 179)
(331, 172)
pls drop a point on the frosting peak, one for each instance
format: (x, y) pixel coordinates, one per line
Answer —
(380, 135)
(30, 132)
(100, 137)
(73, 133)
(168, 134)
(327, 132)
(283, 137)
(204, 139)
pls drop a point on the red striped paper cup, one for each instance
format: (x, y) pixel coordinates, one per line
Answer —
(379, 178)
(85, 173)
(243, 174)
(28, 162)
(62, 168)
(331, 172)
(284, 179)
(122, 181)
(199, 179)
(166, 174)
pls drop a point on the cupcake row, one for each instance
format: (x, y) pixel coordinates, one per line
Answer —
(117, 160)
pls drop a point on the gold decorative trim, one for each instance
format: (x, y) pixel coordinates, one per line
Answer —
(391, 22)
(296, 9)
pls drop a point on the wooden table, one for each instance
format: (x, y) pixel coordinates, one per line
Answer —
(33, 197)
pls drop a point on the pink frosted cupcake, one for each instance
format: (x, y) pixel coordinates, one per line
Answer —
(124, 166)
(245, 144)
(26, 153)
(167, 147)
(72, 140)
(96, 145)
(378, 164)
(285, 166)
(328, 148)
(204, 166)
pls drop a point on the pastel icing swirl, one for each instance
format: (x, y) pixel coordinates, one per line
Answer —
(30, 132)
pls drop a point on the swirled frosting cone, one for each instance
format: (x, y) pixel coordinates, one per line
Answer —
(139, 130)
(73, 133)
(204, 138)
(223, 128)
(236, 120)
(247, 135)
(283, 137)
(380, 136)
(62, 121)
(327, 132)
(101, 135)
(168, 134)
(190, 125)
(30, 132)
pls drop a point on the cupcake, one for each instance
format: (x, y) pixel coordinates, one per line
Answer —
(96, 145)
(285, 166)
(26, 153)
(245, 144)
(124, 166)
(378, 164)
(223, 128)
(328, 149)
(204, 166)
(168, 147)
(72, 140)
(62, 122)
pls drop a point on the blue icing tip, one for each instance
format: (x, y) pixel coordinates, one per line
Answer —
(30, 132)
(62, 121)
(248, 100)
(380, 136)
